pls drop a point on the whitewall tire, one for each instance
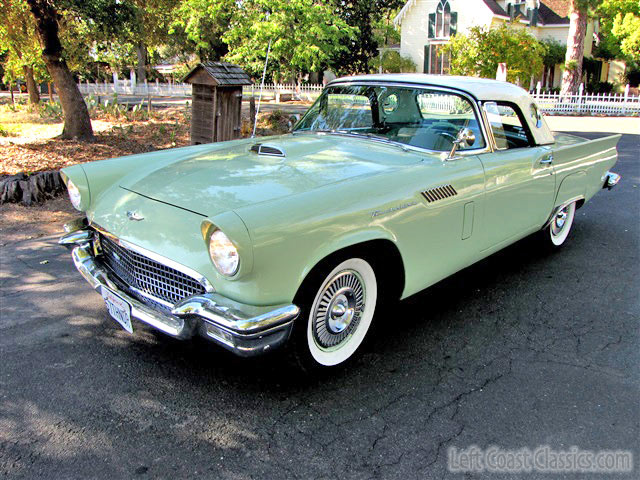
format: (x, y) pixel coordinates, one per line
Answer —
(340, 314)
(561, 223)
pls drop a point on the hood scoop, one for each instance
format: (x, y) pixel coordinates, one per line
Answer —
(264, 149)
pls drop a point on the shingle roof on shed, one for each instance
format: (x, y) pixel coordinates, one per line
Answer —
(223, 73)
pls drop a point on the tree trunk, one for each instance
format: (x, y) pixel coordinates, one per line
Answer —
(13, 100)
(141, 50)
(32, 86)
(77, 123)
(572, 75)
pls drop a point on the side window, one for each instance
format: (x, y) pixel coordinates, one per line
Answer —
(445, 114)
(507, 126)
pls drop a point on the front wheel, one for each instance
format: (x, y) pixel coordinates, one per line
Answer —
(560, 226)
(335, 315)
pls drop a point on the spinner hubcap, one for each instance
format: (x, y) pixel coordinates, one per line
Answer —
(339, 309)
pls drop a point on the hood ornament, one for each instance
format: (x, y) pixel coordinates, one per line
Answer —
(135, 216)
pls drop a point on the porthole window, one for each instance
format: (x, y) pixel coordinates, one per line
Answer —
(390, 103)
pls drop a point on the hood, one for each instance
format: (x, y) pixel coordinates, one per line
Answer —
(230, 175)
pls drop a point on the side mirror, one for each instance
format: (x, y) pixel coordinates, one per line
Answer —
(465, 137)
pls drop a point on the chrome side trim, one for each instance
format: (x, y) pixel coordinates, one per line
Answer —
(245, 319)
(158, 258)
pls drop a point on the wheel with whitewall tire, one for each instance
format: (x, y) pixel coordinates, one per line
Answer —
(558, 230)
(337, 309)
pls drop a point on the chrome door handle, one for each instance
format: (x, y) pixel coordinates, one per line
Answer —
(548, 160)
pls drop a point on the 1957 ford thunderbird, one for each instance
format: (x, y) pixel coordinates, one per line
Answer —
(388, 184)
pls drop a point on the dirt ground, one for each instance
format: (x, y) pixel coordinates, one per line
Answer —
(28, 143)
(18, 222)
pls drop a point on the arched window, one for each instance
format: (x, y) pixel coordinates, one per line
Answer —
(443, 19)
(443, 22)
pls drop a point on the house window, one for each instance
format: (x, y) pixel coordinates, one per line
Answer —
(438, 61)
(442, 23)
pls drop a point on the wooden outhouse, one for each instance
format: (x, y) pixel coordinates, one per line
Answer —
(217, 101)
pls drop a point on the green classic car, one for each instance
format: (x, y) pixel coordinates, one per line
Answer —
(387, 185)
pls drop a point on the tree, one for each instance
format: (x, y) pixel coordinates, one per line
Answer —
(480, 51)
(578, 14)
(372, 19)
(627, 30)
(304, 34)
(18, 37)
(199, 25)
(77, 123)
(392, 62)
(619, 30)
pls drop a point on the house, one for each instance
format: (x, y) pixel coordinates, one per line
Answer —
(426, 25)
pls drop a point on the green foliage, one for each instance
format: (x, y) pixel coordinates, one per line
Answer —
(199, 25)
(373, 20)
(480, 52)
(619, 30)
(393, 62)
(305, 35)
(555, 52)
(19, 40)
(51, 110)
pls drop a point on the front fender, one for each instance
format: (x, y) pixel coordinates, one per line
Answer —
(344, 241)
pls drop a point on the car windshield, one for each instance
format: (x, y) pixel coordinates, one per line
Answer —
(419, 117)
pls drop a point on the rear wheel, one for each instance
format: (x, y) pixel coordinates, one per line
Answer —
(336, 313)
(560, 225)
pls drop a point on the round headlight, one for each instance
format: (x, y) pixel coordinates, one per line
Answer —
(74, 195)
(223, 253)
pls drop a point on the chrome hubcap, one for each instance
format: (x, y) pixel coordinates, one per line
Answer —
(339, 310)
(560, 221)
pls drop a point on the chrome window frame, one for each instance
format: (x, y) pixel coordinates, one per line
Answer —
(525, 125)
(482, 121)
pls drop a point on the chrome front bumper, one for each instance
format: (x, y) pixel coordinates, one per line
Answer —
(246, 330)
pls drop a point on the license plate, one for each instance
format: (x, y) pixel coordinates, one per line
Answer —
(118, 308)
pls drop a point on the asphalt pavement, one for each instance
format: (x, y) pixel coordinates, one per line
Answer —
(525, 348)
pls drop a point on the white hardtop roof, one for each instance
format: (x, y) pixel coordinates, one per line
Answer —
(482, 89)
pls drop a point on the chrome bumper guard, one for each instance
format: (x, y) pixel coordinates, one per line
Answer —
(246, 330)
(610, 180)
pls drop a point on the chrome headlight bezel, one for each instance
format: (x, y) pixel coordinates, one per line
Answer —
(223, 253)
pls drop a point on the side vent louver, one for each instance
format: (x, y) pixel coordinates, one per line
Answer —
(262, 149)
(439, 193)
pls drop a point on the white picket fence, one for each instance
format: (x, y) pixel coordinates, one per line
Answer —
(271, 91)
(588, 104)
(622, 104)
(124, 87)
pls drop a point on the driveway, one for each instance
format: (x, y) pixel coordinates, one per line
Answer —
(525, 348)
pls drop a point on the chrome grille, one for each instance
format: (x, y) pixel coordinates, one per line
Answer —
(143, 275)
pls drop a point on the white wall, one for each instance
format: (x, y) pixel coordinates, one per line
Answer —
(415, 24)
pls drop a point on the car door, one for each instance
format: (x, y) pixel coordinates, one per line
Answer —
(519, 178)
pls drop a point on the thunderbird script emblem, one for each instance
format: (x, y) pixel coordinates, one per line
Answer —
(133, 215)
